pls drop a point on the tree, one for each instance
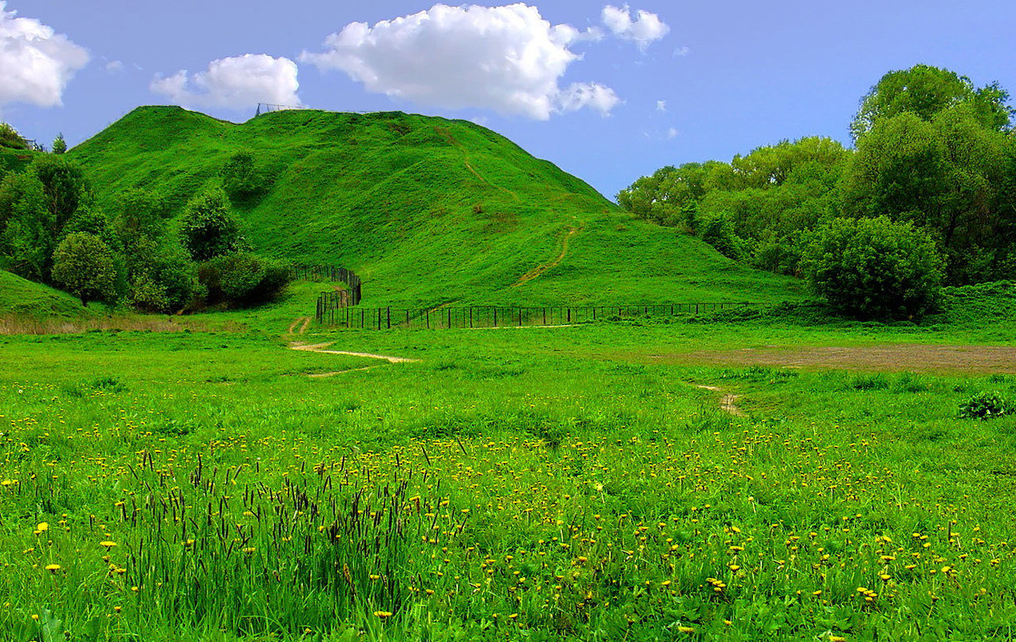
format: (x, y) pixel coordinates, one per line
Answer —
(241, 179)
(947, 175)
(873, 268)
(208, 228)
(65, 186)
(26, 227)
(59, 144)
(84, 266)
(924, 91)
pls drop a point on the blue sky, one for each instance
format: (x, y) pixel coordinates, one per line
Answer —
(608, 94)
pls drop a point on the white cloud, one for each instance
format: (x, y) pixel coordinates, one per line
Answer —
(672, 133)
(35, 62)
(592, 95)
(508, 59)
(114, 66)
(681, 52)
(234, 83)
(643, 31)
(661, 105)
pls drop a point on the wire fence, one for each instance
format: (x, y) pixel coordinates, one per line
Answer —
(330, 313)
(337, 299)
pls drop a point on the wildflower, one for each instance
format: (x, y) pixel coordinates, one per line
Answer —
(685, 629)
(107, 544)
(382, 614)
(41, 528)
(53, 568)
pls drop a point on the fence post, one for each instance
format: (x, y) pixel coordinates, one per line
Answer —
(389, 317)
(495, 316)
(569, 315)
(428, 319)
(470, 317)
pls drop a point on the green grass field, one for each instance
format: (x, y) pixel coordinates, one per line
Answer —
(573, 483)
(759, 473)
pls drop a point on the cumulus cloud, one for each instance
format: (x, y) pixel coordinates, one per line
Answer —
(234, 83)
(508, 59)
(646, 29)
(35, 62)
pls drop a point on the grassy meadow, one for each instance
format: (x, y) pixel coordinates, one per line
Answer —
(573, 483)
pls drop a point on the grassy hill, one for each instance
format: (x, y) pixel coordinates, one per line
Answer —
(427, 210)
(19, 297)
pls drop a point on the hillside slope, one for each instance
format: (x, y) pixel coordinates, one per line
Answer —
(427, 210)
(19, 297)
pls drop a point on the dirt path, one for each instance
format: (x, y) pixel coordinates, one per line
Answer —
(303, 328)
(320, 348)
(540, 269)
(728, 403)
(900, 357)
(451, 140)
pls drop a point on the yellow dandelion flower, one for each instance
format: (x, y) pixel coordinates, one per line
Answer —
(382, 614)
(107, 544)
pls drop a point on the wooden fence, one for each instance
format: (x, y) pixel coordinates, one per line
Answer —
(330, 313)
(328, 273)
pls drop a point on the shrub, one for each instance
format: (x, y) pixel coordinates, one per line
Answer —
(985, 405)
(243, 279)
(84, 265)
(874, 268)
(208, 228)
(241, 179)
(716, 231)
(169, 283)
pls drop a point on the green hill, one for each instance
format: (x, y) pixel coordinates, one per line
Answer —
(427, 210)
(19, 297)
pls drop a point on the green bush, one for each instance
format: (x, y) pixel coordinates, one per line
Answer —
(208, 228)
(243, 279)
(241, 179)
(84, 266)
(875, 268)
(985, 405)
(169, 283)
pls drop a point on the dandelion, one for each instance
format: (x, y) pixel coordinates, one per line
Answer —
(107, 544)
(52, 568)
(685, 629)
(382, 614)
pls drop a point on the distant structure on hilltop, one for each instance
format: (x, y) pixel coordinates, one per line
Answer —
(264, 108)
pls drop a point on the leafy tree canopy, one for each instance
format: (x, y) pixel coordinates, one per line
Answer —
(84, 266)
(924, 91)
(208, 228)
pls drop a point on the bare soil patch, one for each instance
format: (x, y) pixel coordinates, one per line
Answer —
(899, 357)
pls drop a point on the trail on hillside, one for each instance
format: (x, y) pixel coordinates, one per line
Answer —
(451, 140)
(728, 403)
(297, 321)
(543, 267)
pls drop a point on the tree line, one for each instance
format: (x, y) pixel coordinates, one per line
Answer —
(930, 182)
(130, 252)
